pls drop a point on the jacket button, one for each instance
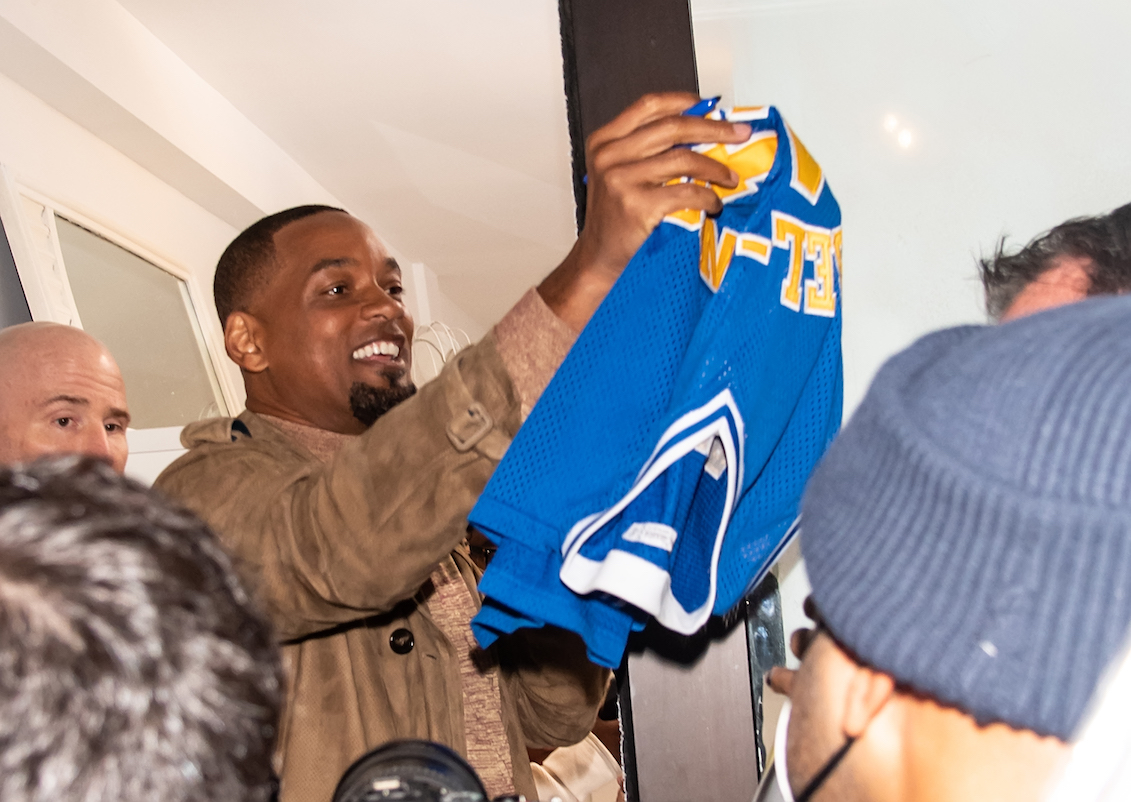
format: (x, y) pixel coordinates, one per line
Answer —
(401, 641)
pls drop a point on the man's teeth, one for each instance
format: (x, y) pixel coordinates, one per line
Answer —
(382, 348)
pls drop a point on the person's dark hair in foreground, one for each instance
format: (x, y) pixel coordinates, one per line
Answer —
(1078, 258)
(133, 665)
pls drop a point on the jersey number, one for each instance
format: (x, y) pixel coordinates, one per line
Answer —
(804, 244)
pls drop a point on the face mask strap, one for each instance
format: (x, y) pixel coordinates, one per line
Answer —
(823, 774)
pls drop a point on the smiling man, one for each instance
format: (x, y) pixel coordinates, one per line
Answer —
(60, 393)
(344, 496)
(330, 324)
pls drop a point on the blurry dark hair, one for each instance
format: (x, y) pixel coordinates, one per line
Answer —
(133, 664)
(243, 266)
(1105, 240)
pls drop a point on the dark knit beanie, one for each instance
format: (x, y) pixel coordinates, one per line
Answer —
(969, 532)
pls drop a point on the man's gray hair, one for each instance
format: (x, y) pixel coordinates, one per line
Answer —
(133, 664)
(1104, 241)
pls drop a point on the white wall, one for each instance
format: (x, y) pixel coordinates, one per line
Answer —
(49, 153)
(428, 303)
(1016, 116)
(96, 63)
(56, 157)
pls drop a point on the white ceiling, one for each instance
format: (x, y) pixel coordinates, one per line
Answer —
(440, 123)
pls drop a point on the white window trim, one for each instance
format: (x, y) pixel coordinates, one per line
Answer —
(48, 291)
(46, 288)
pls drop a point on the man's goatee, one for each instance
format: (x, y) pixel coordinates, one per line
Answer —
(369, 403)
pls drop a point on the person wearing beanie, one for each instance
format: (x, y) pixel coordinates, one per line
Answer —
(968, 541)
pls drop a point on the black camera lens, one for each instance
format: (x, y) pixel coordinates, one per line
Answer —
(410, 771)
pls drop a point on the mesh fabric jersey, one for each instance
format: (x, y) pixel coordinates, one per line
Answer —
(661, 471)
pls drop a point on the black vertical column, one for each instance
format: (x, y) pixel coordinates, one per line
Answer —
(614, 51)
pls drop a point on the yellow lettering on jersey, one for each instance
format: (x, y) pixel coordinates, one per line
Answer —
(690, 219)
(742, 114)
(808, 178)
(715, 256)
(751, 159)
(820, 291)
(755, 247)
(789, 234)
(836, 251)
(814, 244)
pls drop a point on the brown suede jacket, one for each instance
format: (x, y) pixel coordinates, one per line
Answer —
(339, 552)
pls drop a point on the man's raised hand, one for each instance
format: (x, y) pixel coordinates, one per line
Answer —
(631, 163)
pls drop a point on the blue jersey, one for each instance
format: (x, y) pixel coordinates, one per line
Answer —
(661, 471)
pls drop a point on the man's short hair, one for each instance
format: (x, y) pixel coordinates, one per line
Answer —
(243, 267)
(1105, 240)
(133, 665)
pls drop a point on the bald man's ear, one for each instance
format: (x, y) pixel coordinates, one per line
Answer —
(243, 340)
(868, 692)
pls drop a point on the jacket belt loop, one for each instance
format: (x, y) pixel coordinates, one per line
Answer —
(468, 427)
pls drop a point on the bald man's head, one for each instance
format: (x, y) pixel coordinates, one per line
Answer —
(60, 393)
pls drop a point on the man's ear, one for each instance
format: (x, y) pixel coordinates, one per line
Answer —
(867, 693)
(243, 340)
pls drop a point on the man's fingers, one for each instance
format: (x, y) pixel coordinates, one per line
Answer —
(637, 176)
(799, 641)
(683, 163)
(643, 111)
(663, 170)
(666, 200)
(780, 679)
(663, 135)
(809, 607)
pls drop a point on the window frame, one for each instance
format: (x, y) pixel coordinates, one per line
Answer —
(43, 273)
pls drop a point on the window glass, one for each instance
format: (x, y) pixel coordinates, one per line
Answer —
(13, 304)
(145, 317)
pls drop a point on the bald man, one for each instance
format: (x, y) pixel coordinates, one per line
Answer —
(60, 393)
